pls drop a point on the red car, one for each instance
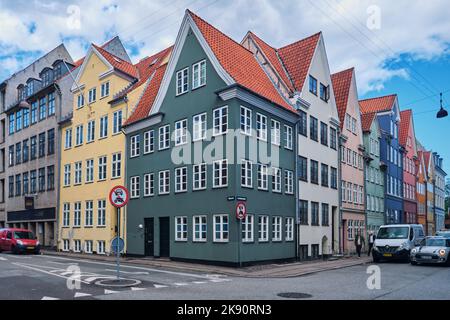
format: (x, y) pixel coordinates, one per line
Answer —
(18, 241)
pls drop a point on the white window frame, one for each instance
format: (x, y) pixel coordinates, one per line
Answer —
(88, 246)
(199, 235)
(89, 170)
(221, 220)
(149, 184)
(102, 168)
(263, 177)
(199, 75)
(246, 173)
(67, 178)
(116, 165)
(68, 138)
(182, 234)
(90, 131)
(78, 173)
(92, 95)
(135, 187)
(182, 86)
(248, 228)
(246, 121)
(66, 245)
(288, 182)
(117, 122)
(104, 89)
(199, 170)
(288, 137)
(135, 146)
(89, 213)
(276, 180)
(289, 229)
(103, 127)
(77, 214)
(66, 214)
(101, 244)
(77, 245)
(80, 101)
(263, 228)
(181, 180)
(181, 132)
(79, 135)
(199, 123)
(149, 141)
(275, 132)
(218, 167)
(164, 137)
(276, 229)
(164, 182)
(101, 213)
(261, 127)
(221, 114)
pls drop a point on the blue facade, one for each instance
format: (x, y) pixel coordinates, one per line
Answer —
(392, 157)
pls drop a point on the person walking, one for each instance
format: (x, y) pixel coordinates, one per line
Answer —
(372, 238)
(359, 240)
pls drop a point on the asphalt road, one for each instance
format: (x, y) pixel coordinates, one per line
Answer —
(50, 277)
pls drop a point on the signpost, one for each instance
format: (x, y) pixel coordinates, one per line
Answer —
(118, 197)
(241, 210)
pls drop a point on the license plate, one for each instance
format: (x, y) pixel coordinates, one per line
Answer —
(387, 254)
(30, 248)
(426, 257)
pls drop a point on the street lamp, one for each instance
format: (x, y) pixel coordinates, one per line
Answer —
(442, 113)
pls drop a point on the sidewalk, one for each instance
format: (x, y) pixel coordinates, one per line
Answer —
(286, 270)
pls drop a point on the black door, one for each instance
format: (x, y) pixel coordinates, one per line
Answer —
(149, 248)
(164, 237)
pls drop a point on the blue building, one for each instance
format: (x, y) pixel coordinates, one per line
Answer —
(391, 152)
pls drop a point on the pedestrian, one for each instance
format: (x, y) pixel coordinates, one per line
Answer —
(359, 240)
(372, 238)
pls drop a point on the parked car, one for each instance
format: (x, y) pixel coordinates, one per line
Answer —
(432, 250)
(443, 233)
(18, 241)
(395, 242)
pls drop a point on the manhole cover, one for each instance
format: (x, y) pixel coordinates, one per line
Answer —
(294, 295)
(118, 283)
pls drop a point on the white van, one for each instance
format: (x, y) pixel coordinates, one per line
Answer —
(395, 241)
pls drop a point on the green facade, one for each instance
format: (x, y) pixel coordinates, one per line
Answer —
(212, 200)
(374, 187)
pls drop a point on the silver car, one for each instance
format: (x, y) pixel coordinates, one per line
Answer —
(443, 233)
(434, 250)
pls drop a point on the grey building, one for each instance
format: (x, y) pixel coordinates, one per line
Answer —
(33, 101)
(439, 192)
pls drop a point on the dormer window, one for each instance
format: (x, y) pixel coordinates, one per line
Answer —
(21, 92)
(105, 89)
(46, 76)
(324, 92)
(57, 71)
(30, 88)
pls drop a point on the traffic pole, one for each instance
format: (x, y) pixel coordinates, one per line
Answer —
(117, 245)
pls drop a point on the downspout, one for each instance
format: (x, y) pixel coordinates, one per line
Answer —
(340, 226)
(125, 209)
(434, 205)
(426, 207)
(297, 191)
(58, 163)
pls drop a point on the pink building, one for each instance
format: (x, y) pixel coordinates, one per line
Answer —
(407, 140)
(352, 163)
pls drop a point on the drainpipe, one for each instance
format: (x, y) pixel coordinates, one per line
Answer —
(58, 166)
(434, 205)
(124, 161)
(297, 191)
(340, 226)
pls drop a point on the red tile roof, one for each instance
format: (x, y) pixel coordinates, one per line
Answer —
(405, 122)
(272, 55)
(118, 63)
(297, 58)
(341, 86)
(378, 104)
(366, 121)
(239, 63)
(142, 110)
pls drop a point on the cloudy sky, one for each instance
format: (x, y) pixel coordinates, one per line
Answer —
(398, 47)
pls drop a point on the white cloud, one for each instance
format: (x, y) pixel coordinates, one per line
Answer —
(420, 31)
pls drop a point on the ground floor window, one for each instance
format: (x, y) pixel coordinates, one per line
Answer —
(180, 228)
(276, 228)
(77, 246)
(314, 251)
(350, 229)
(88, 246)
(66, 245)
(200, 228)
(263, 228)
(221, 228)
(289, 229)
(247, 229)
(101, 247)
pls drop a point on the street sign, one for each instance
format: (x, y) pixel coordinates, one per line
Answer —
(117, 245)
(241, 210)
(119, 196)
(230, 198)
(239, 198)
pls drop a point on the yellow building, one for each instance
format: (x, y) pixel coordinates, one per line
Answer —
(107, 89)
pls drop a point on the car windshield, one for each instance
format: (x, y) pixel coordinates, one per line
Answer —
(23, 235)
(393, 233)
(433, 242)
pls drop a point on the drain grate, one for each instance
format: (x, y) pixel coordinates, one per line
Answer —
(294, 295)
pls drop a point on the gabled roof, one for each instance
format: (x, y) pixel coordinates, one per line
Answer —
(378, 104)
(405, 123)
(341, 86)
(426, 157)
(366, 121)
(239, 63)
(297, 58)
(274, 59)
(118, 63)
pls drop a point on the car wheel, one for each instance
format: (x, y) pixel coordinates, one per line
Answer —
(413, 263)
(14, 250)
(375, 259)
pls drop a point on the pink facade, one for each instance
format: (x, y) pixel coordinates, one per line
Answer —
(352, 161)
(408, 142)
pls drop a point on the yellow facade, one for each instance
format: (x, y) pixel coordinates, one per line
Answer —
(88, 198)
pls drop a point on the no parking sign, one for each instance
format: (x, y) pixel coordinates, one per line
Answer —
(241, 210)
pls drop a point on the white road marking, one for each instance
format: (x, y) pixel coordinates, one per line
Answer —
(81, 294)
(110, 291)
(128, 272)
(180, 284)
(49, 298)
(44, 271)
(157, 286)
(137, 289)
(219, 280)
(63, 263)
(128, 266)
(98, 277)
(3, 259)
(199, 282)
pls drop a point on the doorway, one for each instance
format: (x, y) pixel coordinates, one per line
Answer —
(148, 229)
(164, 237)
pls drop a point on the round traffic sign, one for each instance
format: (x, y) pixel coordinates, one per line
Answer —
(241, 210)
(119, 196)
(117, 245)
